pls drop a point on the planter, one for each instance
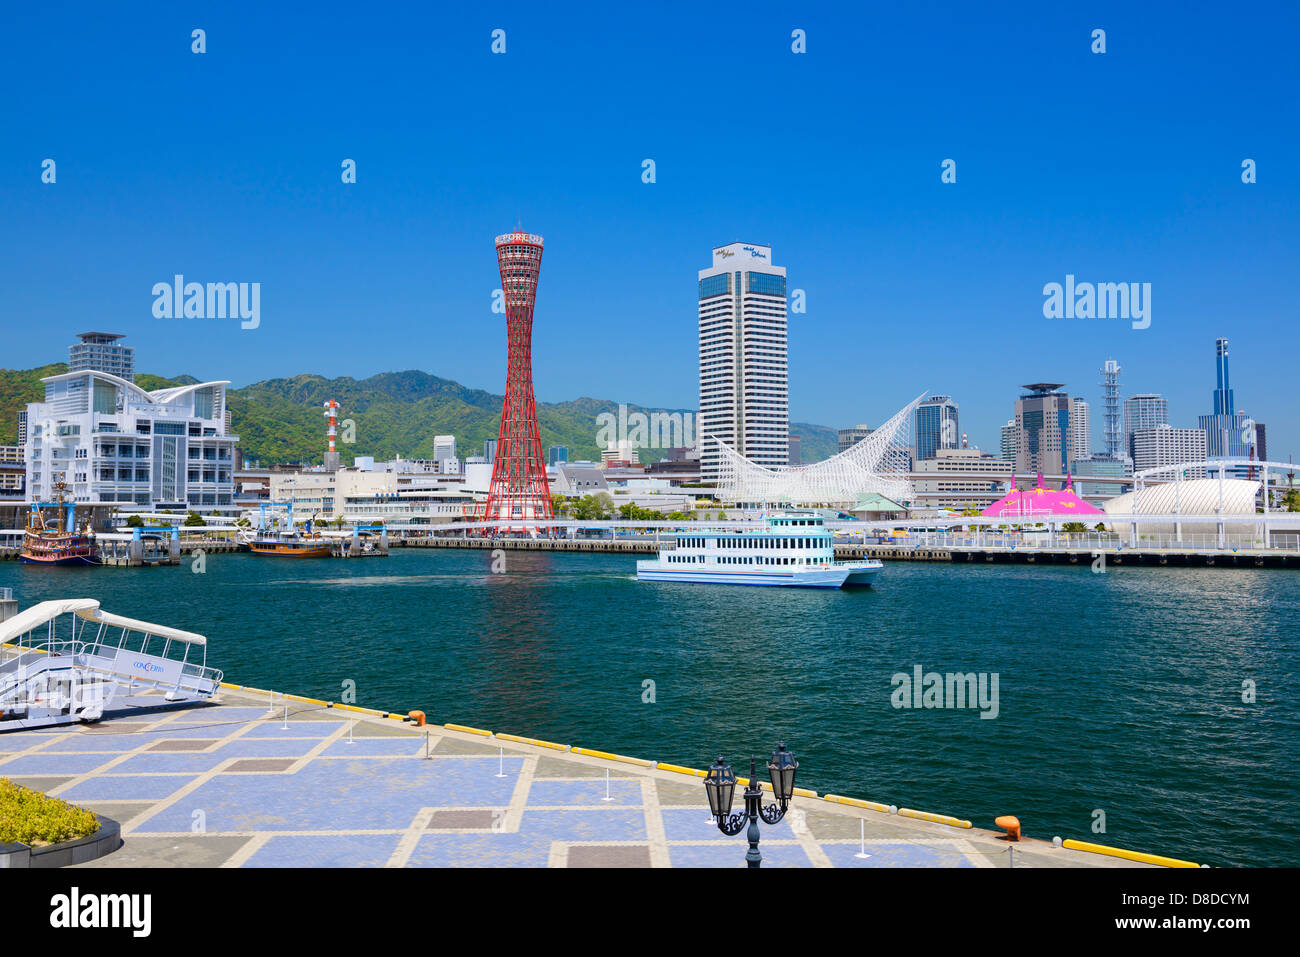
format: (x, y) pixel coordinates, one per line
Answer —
(104, 841)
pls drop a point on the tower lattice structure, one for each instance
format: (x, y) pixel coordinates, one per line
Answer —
(1110, 396)
(519, 491)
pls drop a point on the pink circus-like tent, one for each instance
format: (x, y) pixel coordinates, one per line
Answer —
(1039, 501)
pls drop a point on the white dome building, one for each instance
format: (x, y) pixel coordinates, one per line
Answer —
(1197, 501)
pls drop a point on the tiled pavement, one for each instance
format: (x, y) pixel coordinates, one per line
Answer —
(234, 785)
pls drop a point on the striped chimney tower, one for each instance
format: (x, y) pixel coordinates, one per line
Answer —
(331, 456)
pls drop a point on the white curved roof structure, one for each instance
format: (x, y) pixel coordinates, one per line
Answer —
(157, 397)
(1194, 501)
(43, 613)
(130, 387)
(167, 396)
(1194, 497)
(877, 465)
(144, 627)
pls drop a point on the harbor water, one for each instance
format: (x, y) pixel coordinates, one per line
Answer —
(1119, 695)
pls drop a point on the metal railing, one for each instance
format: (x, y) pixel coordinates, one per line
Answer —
(1081, 541)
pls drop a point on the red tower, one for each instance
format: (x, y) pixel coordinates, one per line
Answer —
(519, 490)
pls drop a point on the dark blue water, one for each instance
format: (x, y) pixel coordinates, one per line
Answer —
(1118, 692)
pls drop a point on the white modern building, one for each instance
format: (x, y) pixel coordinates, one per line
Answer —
(113, 442)
(1166, 445)
(356, 495)
(444, 453)
(622, 452)
(1080, 430)
(1147, 410)
(744, 377)
(1008, 444)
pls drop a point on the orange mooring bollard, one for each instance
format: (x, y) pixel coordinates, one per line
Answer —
(417, 717)
(1010, 824)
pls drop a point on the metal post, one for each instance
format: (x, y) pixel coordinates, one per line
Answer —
(1133, 525)
(1178, 504)
(1221, 528)
(1266, 537)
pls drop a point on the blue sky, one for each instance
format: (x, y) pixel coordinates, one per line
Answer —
(1124, 166)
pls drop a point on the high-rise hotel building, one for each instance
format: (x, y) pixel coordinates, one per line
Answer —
(744, 372)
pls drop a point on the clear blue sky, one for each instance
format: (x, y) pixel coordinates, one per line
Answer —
(225, 167)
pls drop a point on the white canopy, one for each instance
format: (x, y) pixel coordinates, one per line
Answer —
(88, 608)
(42, 613)
(134, 624)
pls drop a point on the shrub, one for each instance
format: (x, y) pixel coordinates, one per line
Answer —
(30, 817)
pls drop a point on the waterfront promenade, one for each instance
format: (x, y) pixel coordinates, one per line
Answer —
(240, 784)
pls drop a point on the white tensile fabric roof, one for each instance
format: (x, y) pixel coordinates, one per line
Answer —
(145, 627)
(1198, 497)
(865, 468)
(44, 612)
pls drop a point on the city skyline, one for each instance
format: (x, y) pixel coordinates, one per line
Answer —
(910, 282)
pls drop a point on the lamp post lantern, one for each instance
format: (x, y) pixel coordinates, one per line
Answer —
(720, 787)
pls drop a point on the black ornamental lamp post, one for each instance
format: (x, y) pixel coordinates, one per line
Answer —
(720, 786)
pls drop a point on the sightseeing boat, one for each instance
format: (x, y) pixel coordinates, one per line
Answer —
(57, 542)
(292, 546)
(791, 549)
(280, 538)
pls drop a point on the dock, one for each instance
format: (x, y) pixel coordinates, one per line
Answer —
(1019, 553)
(265, 779)
(124, 552)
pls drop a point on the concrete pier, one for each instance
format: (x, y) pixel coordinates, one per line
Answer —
(263, 779)
(1063, 554)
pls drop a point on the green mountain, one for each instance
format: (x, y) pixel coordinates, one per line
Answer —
(17, 388)
(281, 421)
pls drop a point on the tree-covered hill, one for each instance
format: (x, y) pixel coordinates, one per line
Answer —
(281, 421)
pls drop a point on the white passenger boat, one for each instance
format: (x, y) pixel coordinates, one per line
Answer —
(794, 549)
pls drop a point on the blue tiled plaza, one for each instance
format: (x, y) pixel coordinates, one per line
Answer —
(235, 784)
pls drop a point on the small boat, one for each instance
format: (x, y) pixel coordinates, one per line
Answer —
(292, 546)
(284, 540)
(791, 549)
(57, 542)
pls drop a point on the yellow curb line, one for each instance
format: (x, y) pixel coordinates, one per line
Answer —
(678, 769)
(1138, 856)
(535, 742)
(298, 697)
(933, 818)
(856, 802)
(461, 727)
(640, 762)
(1126, 854)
